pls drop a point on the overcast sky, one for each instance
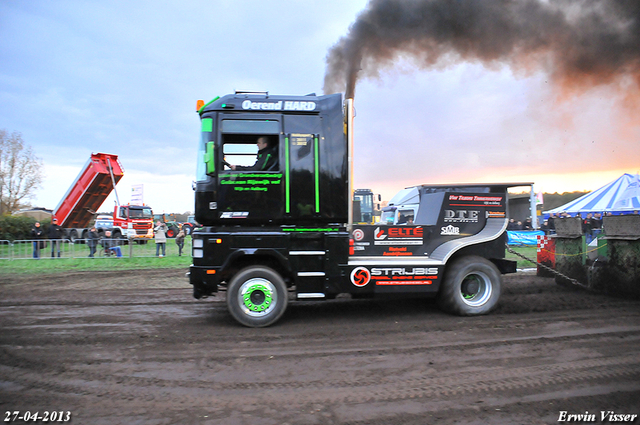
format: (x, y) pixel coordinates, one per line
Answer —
(124, 77)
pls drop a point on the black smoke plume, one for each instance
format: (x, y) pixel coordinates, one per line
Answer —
(579, 43)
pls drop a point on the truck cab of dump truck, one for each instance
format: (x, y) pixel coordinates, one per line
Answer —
(133, 222)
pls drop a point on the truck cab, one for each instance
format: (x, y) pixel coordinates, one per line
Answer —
(133, 222)
(363, 206)
(307, 182)
(402, 208)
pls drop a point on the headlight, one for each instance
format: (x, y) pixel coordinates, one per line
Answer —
(198, 253)
(198, 243)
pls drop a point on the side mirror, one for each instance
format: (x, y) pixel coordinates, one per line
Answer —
(210, 158)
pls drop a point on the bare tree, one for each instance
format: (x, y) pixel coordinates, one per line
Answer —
(20, 172)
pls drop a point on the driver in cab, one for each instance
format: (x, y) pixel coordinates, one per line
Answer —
(265, 160)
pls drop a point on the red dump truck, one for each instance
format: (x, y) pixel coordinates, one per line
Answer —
(91, 188)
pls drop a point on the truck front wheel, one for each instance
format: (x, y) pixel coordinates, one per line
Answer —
(471, 286)
(257, 296)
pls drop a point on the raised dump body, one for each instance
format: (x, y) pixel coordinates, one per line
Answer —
(90, 189)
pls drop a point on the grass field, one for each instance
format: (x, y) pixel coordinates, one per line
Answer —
(64, 265)
(527, 251)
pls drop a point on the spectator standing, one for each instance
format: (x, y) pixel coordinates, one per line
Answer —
(597, 221)
(587, 228)
(552, 223)
(587, 224)
(37, 234)
(92, 241)
(55, 235)
(160, 232)
(180, 241)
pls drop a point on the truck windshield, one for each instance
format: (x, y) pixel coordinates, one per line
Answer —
(405, 216)
(387, 217)
(140, 213)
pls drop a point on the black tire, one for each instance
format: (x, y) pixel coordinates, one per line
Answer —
(121, 240)
(188, 229)
(73, 235)
(471, 287)
(172, 231)
(257, 296)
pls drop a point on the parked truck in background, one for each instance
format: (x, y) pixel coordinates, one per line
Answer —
(402, 207)
(288, 231)
(364, 206)
(103, 223)
(96, 181)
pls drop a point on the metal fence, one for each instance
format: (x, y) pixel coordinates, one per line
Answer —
(5, 250)
(81, 248)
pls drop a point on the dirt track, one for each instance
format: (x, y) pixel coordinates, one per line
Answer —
(136, 348)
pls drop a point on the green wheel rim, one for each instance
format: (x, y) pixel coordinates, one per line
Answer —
(257, 297)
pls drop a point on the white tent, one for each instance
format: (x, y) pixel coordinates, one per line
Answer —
(618, 197)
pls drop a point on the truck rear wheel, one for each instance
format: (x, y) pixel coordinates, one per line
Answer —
(257, 296)
(172, 231)
(471, 286)
(188, 229)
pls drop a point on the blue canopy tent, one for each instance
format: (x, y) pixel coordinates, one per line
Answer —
(621, 196)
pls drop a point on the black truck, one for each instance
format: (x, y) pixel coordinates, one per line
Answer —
(285, 231)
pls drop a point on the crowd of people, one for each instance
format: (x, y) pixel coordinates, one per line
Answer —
(519, 225)
(592, 224)
(112, 246)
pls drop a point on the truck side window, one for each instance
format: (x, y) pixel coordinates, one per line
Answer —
(238, 150)
(239, 144)
(405, 217)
